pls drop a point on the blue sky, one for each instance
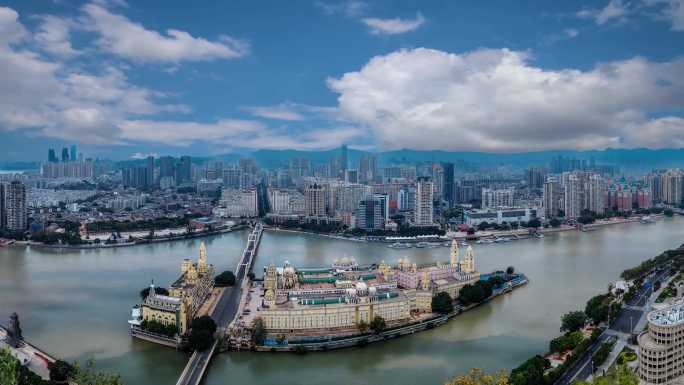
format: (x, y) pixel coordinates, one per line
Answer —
(123, 78)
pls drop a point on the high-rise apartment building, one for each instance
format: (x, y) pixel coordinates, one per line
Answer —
(497, 198)
(672, 187)
(573, 196)
(369, 215)
(552, 195)
(534, 177)
(596, 193)
(184, 170)
(368, 168)
(448, 184)
(15, 212)
(424, 194)
(52, 156)
(315, 195)
(73, 155)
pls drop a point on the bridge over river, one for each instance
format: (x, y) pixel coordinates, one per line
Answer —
(225, 311)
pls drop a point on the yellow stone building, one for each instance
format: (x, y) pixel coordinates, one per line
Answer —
(186, 296)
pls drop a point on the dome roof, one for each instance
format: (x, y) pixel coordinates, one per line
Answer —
(361, 286)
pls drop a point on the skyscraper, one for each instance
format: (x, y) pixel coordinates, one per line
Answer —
(52, 156)
(184, 170)
(597, 191)
(73, 155)
(65, 154)
(448, 184)
(423, 210)
(573, 197)
(15, 206)
(344, 160)
(149, 165)
(368, 168)
(369, 215)
(552, 194)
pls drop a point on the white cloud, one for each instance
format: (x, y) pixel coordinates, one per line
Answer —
(61, 101)
(670, 10)
(53, 36)
(496, 100)
(614, 10)
(571, 33)
(350, 8)
(393, 26)
(234, 133)
(294, 112)
(131, 40)
(283, 111)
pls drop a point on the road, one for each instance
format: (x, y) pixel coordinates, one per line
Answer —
(224, 313)
(623, 325)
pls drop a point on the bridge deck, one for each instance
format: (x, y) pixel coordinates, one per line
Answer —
(225, 311)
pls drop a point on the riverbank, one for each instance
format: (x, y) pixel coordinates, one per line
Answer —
(361, 340)
(522, 233)
(92, 246)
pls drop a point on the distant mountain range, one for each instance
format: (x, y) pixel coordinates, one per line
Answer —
(630, 158)
(639, 158)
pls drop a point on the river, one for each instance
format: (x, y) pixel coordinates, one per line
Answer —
(75, 303)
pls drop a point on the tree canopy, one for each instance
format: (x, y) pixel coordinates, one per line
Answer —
(227, 278)
(573, 321)
(442, 303)
(378, 324)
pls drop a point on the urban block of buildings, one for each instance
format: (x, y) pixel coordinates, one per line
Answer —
(336, 300)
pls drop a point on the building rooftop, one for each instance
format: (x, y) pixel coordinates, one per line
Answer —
(672, 315)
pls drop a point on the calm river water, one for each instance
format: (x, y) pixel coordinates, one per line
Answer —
(74, 304)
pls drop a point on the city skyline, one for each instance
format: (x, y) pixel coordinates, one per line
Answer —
(123, 79)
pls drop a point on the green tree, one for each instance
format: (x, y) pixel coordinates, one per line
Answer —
(510, 270)
(363, 327)
(668, 212)
(258, 331)
(567, 341)
(227, 278)
(88, 376)
(534, 223)
(202, 333)
(530, 372)
(573, 321)
(597, 308)
(378, 324)
(555, 222)
(442, 303)
(159, 290)
(9, 368)
(60, 371)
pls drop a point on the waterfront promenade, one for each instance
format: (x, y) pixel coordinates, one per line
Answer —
(29, 355)
(225, 310)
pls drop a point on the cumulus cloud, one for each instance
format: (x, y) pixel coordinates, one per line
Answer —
(495, 99)
(131, 40)
(671, 11)
(393, 26)
(59, 100)
(53, 36)
(614, 10)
